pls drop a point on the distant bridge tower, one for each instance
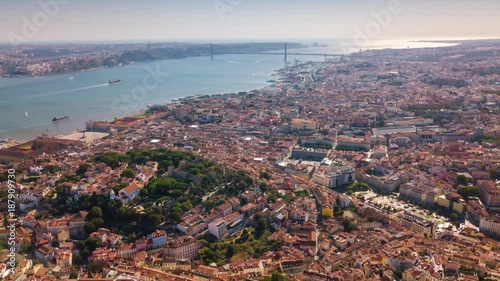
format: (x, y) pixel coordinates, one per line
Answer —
(286, 54)
(211, 51)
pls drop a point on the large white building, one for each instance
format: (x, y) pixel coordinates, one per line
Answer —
(159, 238)
(333, 176)
(217, 228)
(490, 225)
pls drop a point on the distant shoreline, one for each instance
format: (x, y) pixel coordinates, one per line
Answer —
(86, 70)
(160, 53)
(97, 68)
(452, 43)
(455, 41)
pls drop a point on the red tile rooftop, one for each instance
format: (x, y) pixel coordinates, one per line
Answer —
(131, 188)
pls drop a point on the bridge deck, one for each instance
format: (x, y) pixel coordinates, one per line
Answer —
(282, 54)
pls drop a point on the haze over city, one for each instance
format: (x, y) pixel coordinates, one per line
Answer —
(166, 20)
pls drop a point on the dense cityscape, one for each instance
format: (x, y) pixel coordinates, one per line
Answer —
(380, 165)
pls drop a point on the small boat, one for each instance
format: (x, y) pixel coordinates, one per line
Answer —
(59, 118)
(116, 81)
(26, 114)
(71, 78)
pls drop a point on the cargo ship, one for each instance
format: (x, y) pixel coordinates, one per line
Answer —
(59, 118)
(116, 81)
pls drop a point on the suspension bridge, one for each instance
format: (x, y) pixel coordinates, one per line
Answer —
(285, 54)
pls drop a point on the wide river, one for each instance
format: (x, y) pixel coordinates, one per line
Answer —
(27, 105)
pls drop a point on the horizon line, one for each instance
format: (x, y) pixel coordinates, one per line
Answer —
(241, 40)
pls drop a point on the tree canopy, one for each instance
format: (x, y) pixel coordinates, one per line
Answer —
(468, 191)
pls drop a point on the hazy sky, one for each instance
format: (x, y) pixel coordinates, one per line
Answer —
(166, 20)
